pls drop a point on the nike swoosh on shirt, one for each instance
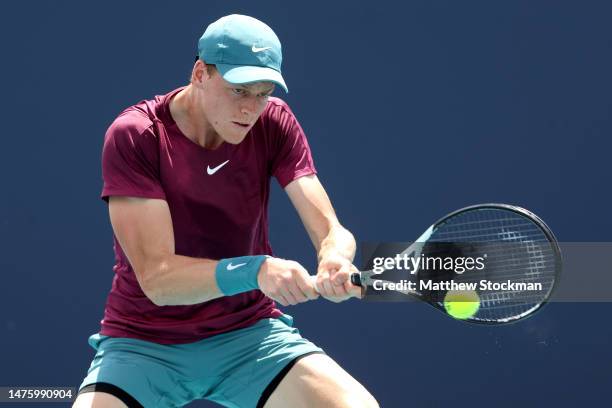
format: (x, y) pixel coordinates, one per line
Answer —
(257, 49)
(231, 267)
(215, 169)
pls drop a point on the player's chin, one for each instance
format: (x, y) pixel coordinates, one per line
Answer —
(235, 136)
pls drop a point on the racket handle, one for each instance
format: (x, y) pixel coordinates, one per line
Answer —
(356, 279)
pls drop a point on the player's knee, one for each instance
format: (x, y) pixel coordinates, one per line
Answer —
(369, 401)
(361, 399)
(98, 400)
(349, 393)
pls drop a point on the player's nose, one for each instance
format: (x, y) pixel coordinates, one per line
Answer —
(249, 106)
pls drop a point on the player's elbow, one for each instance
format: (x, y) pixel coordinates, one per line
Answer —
(151, 282)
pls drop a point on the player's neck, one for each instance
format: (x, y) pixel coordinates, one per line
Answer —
(188, 117)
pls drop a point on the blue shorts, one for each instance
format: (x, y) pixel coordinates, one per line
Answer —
(234, 369)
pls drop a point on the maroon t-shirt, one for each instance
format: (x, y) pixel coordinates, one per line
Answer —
(218, 201)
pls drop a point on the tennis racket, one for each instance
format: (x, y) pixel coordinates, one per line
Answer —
(518, 247)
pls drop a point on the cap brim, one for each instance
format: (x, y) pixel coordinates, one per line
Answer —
(246, 74)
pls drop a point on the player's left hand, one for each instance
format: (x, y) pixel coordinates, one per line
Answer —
(333, 278)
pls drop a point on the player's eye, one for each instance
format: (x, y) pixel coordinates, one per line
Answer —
(238, 91)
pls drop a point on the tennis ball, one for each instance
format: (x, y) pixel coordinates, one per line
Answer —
(461, 304)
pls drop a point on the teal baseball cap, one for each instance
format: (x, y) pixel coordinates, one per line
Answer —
(244, 50)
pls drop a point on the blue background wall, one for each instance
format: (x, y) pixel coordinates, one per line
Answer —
(412, 110)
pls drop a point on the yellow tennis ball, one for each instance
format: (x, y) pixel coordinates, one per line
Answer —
(461, 304)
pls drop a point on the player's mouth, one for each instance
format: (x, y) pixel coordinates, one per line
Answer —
(242, 125)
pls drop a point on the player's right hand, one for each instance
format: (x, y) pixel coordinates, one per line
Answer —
(286, 282)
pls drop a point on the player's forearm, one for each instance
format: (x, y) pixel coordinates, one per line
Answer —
(181, 280)
(338, 241)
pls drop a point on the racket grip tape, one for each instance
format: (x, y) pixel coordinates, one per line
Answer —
(356, 279)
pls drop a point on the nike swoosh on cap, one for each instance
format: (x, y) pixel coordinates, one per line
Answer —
(257, 49)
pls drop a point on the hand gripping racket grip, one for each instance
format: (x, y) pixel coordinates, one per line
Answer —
(355, 280)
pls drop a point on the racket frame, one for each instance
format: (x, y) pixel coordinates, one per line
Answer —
(365, 278)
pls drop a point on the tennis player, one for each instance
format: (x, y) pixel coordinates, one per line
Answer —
(191, 313)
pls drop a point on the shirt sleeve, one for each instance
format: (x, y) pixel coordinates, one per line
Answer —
(130, 159)
(291, 158)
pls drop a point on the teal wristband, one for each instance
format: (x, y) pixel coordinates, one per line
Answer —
(237, 275)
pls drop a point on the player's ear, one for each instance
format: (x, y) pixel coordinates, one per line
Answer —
(199, 73)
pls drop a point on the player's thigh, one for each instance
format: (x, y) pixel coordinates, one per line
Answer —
(318, 381)
(98, 400)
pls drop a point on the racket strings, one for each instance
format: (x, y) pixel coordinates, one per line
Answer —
(506, 264)
(517, 250)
